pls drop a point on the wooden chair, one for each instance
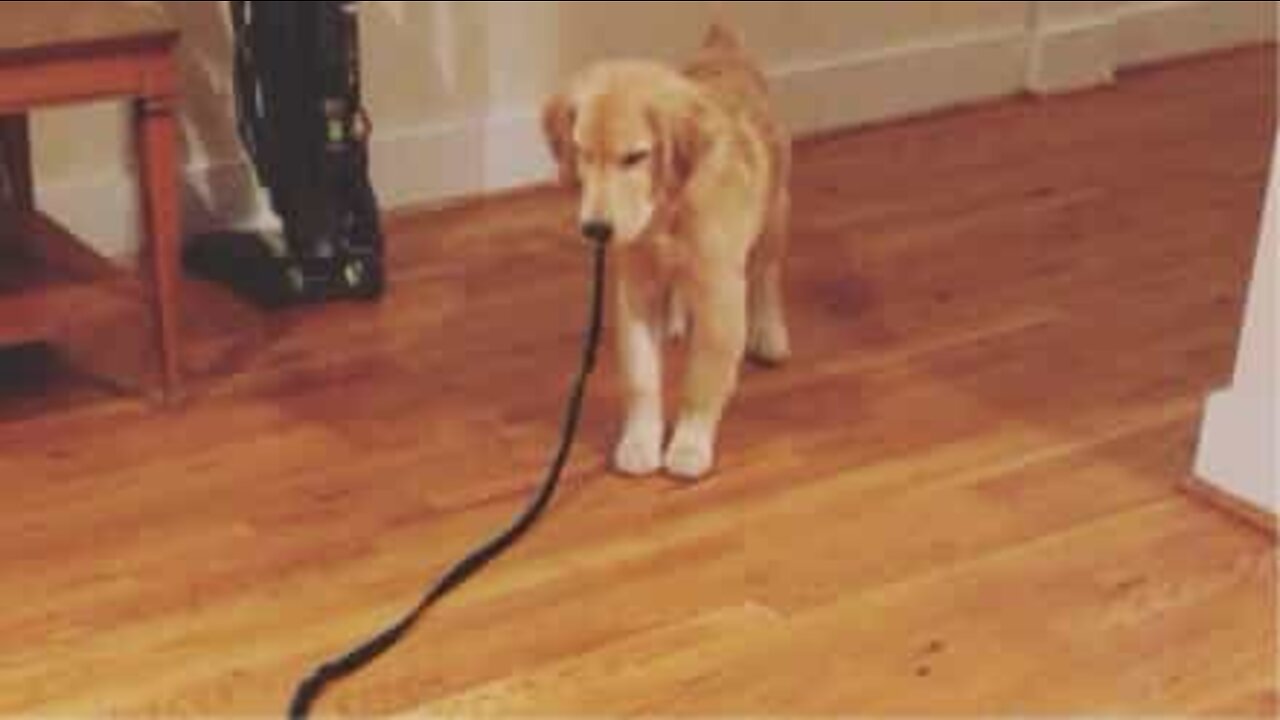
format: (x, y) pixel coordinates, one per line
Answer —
(61, 53)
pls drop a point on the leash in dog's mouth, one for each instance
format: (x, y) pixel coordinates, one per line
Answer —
(310, 689)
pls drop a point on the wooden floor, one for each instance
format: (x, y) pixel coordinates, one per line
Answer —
(960, 498)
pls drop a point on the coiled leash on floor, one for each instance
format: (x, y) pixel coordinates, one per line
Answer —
(310, 688)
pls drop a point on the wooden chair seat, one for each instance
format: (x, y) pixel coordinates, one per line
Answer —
(39, 28)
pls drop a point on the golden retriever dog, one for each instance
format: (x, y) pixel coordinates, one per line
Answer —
(684, 173)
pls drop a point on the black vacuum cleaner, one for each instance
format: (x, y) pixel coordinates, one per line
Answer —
(303, 126)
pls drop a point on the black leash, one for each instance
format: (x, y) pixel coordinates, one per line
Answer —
(311, 688)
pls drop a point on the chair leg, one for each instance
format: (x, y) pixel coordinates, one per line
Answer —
(157, 135)
(15, 162)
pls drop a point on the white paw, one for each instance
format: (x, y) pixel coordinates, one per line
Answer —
(639, 452)
(691, 453)
(769, 343)
(677, 322)
(677, 328)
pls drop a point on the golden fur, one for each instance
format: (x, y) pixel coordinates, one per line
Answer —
(686, 174)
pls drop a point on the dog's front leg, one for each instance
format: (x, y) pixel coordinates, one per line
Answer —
(639, 451)
(716, 346)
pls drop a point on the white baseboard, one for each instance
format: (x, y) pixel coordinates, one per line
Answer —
(428, 163)
(507, 151)
(1071, 56)
(443, 161)
(1088, 51)
(410, 166)
(856, 89)
(1150, 32)
(105, 209)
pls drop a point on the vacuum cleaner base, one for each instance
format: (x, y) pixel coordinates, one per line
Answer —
(246, 263)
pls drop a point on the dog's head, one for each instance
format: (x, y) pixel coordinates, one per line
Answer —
(628, 137)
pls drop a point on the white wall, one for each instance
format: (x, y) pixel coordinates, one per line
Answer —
(1240, 442)
(454, 87)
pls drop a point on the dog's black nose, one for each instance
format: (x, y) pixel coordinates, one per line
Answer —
(597, 231)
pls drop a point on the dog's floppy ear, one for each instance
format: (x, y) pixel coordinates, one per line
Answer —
(558, 117)
(682, 141)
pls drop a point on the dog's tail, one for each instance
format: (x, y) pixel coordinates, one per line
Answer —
(722, 33)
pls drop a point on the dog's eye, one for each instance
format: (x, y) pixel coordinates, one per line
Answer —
(633, 159)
